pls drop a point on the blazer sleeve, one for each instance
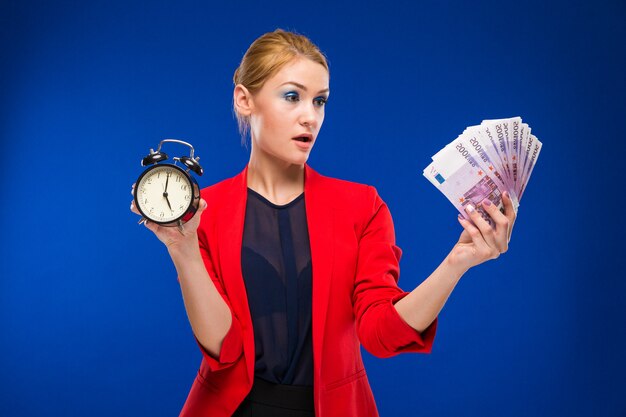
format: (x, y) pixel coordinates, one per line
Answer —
(232, 345)
(380, 328)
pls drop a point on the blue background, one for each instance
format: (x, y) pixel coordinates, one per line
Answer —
(91, 318)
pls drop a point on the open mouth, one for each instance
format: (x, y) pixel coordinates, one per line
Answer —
(303, 139)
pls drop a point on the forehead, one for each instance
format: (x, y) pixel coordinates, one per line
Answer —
(302, 71)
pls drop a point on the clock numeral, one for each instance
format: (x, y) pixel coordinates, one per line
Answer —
(145, 201)
(181, 207)
(187, 197)
(184, 187)
(149, 181)
(162, 214)
(178, 178)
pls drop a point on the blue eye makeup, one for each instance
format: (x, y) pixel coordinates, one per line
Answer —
(320, 101)
(291, 96)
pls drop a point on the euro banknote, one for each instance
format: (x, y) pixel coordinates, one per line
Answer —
(483, 162)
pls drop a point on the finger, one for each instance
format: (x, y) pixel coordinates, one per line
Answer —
(510, 213)
(202, 206)
(151, 226)
(133, 208)
(475, 235)
(132, 189)
(501, 221)
(479, 222)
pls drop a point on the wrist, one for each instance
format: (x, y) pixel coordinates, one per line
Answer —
(455, 264)
(183, 248)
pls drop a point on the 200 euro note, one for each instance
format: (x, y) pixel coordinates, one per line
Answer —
(472, 141)
(531, 160)
(484, 161)
(460, 178)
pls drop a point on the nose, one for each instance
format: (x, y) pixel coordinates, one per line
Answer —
(309, 116)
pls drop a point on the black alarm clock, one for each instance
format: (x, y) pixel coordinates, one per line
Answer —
(165, 193)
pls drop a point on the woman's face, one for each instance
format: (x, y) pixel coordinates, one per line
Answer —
(290, 105)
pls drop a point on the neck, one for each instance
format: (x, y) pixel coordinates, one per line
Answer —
(277, 180)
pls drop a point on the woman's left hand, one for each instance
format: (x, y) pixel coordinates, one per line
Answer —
(480, 242)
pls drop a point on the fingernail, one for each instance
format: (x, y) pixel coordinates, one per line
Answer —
(461, 217)
(486, 202)
(506, 194)
(469, 208)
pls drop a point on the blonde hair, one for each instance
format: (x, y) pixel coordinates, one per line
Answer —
(265, 57)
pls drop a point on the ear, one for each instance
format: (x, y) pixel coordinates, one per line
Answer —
(243, 100)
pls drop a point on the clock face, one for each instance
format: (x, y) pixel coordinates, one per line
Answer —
(164, 193)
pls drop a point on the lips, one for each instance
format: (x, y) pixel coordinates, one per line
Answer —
(303, 142)
(305, 138)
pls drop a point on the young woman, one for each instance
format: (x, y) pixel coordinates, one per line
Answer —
(285, 273)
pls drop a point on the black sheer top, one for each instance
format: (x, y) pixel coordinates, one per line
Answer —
(276, 267)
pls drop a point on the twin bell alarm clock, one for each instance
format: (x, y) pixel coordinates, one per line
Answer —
(166, 193)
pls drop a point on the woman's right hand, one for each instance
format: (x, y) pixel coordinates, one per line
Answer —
(171, 236)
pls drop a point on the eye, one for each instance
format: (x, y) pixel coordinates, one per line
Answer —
(320, 101)
(292, 96)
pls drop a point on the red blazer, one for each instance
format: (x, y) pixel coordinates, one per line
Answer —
(355, 273)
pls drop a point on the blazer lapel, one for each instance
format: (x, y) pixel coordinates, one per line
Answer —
(319, 216)
(230, 237)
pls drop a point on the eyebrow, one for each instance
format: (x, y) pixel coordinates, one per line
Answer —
(303, 87)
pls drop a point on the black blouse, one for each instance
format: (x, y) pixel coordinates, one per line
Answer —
(276, 267)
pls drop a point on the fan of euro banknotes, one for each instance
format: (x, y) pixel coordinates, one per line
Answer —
(483, 162)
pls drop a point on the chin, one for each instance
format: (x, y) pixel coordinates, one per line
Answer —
(305, 157)
(299, 158)
(300, 161)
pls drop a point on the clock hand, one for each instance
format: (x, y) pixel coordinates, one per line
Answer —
(167, 180)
